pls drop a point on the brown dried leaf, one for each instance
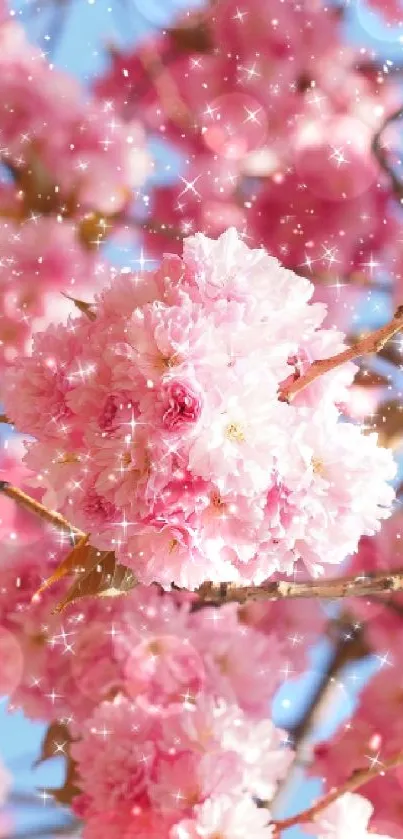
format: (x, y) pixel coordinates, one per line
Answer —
(57, 733)
(64, 795)
(57, 742)
(194, 38)
(82, 306)
(106, 579)
(388, 423)
(82, 556)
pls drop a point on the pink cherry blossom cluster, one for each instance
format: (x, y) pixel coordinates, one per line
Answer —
(40, 259)
(159, 428)
(77, 148)
(348, 816)
(273, 120)
(390, 9)
(69, 159)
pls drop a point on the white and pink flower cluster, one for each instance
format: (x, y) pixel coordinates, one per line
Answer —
(159, 428)
(71, 161)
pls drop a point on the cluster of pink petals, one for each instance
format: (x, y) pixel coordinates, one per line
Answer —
(160, 431)
(272, 120)
(391, 10)
(348, 816)
(69, 158)
(79, 148)
(197, 768)
(40, 258)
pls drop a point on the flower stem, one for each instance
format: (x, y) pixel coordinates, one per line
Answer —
(356, 780)
(40, 510)
(372, 343)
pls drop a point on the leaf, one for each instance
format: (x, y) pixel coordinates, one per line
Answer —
(83, 307)
(195, 38)
(57, 741)
(106, 579)
(388, 423)
(64, 795)
(82, 556)
(56, 733)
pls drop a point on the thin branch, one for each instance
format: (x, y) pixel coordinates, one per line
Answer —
(349, 645)
(5, 420)
(47, 830)
(362, 585)
(356, 780)
(40, 510)
(165, 86)
(382, 156)
(373, 343)
(388, 603)
(380, 68)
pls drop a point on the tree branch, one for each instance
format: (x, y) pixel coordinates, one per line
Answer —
(349, 645)
(47, 831)
(362, 585)
(373, 343)
(356, 780)
(165, 86)
(40, 510)
(381, 154)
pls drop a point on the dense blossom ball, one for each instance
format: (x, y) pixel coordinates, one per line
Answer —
(129, 761)
(160, 428)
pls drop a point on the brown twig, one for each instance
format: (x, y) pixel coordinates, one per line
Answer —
(381, 154)
(165, 86)
(349, 645)
(372, 343)
(356, 780)
(40, 510)
(5, 420)
(333, 589)
(48, 830)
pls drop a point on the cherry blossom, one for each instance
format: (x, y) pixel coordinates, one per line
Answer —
(348, 815)
(184, 461)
